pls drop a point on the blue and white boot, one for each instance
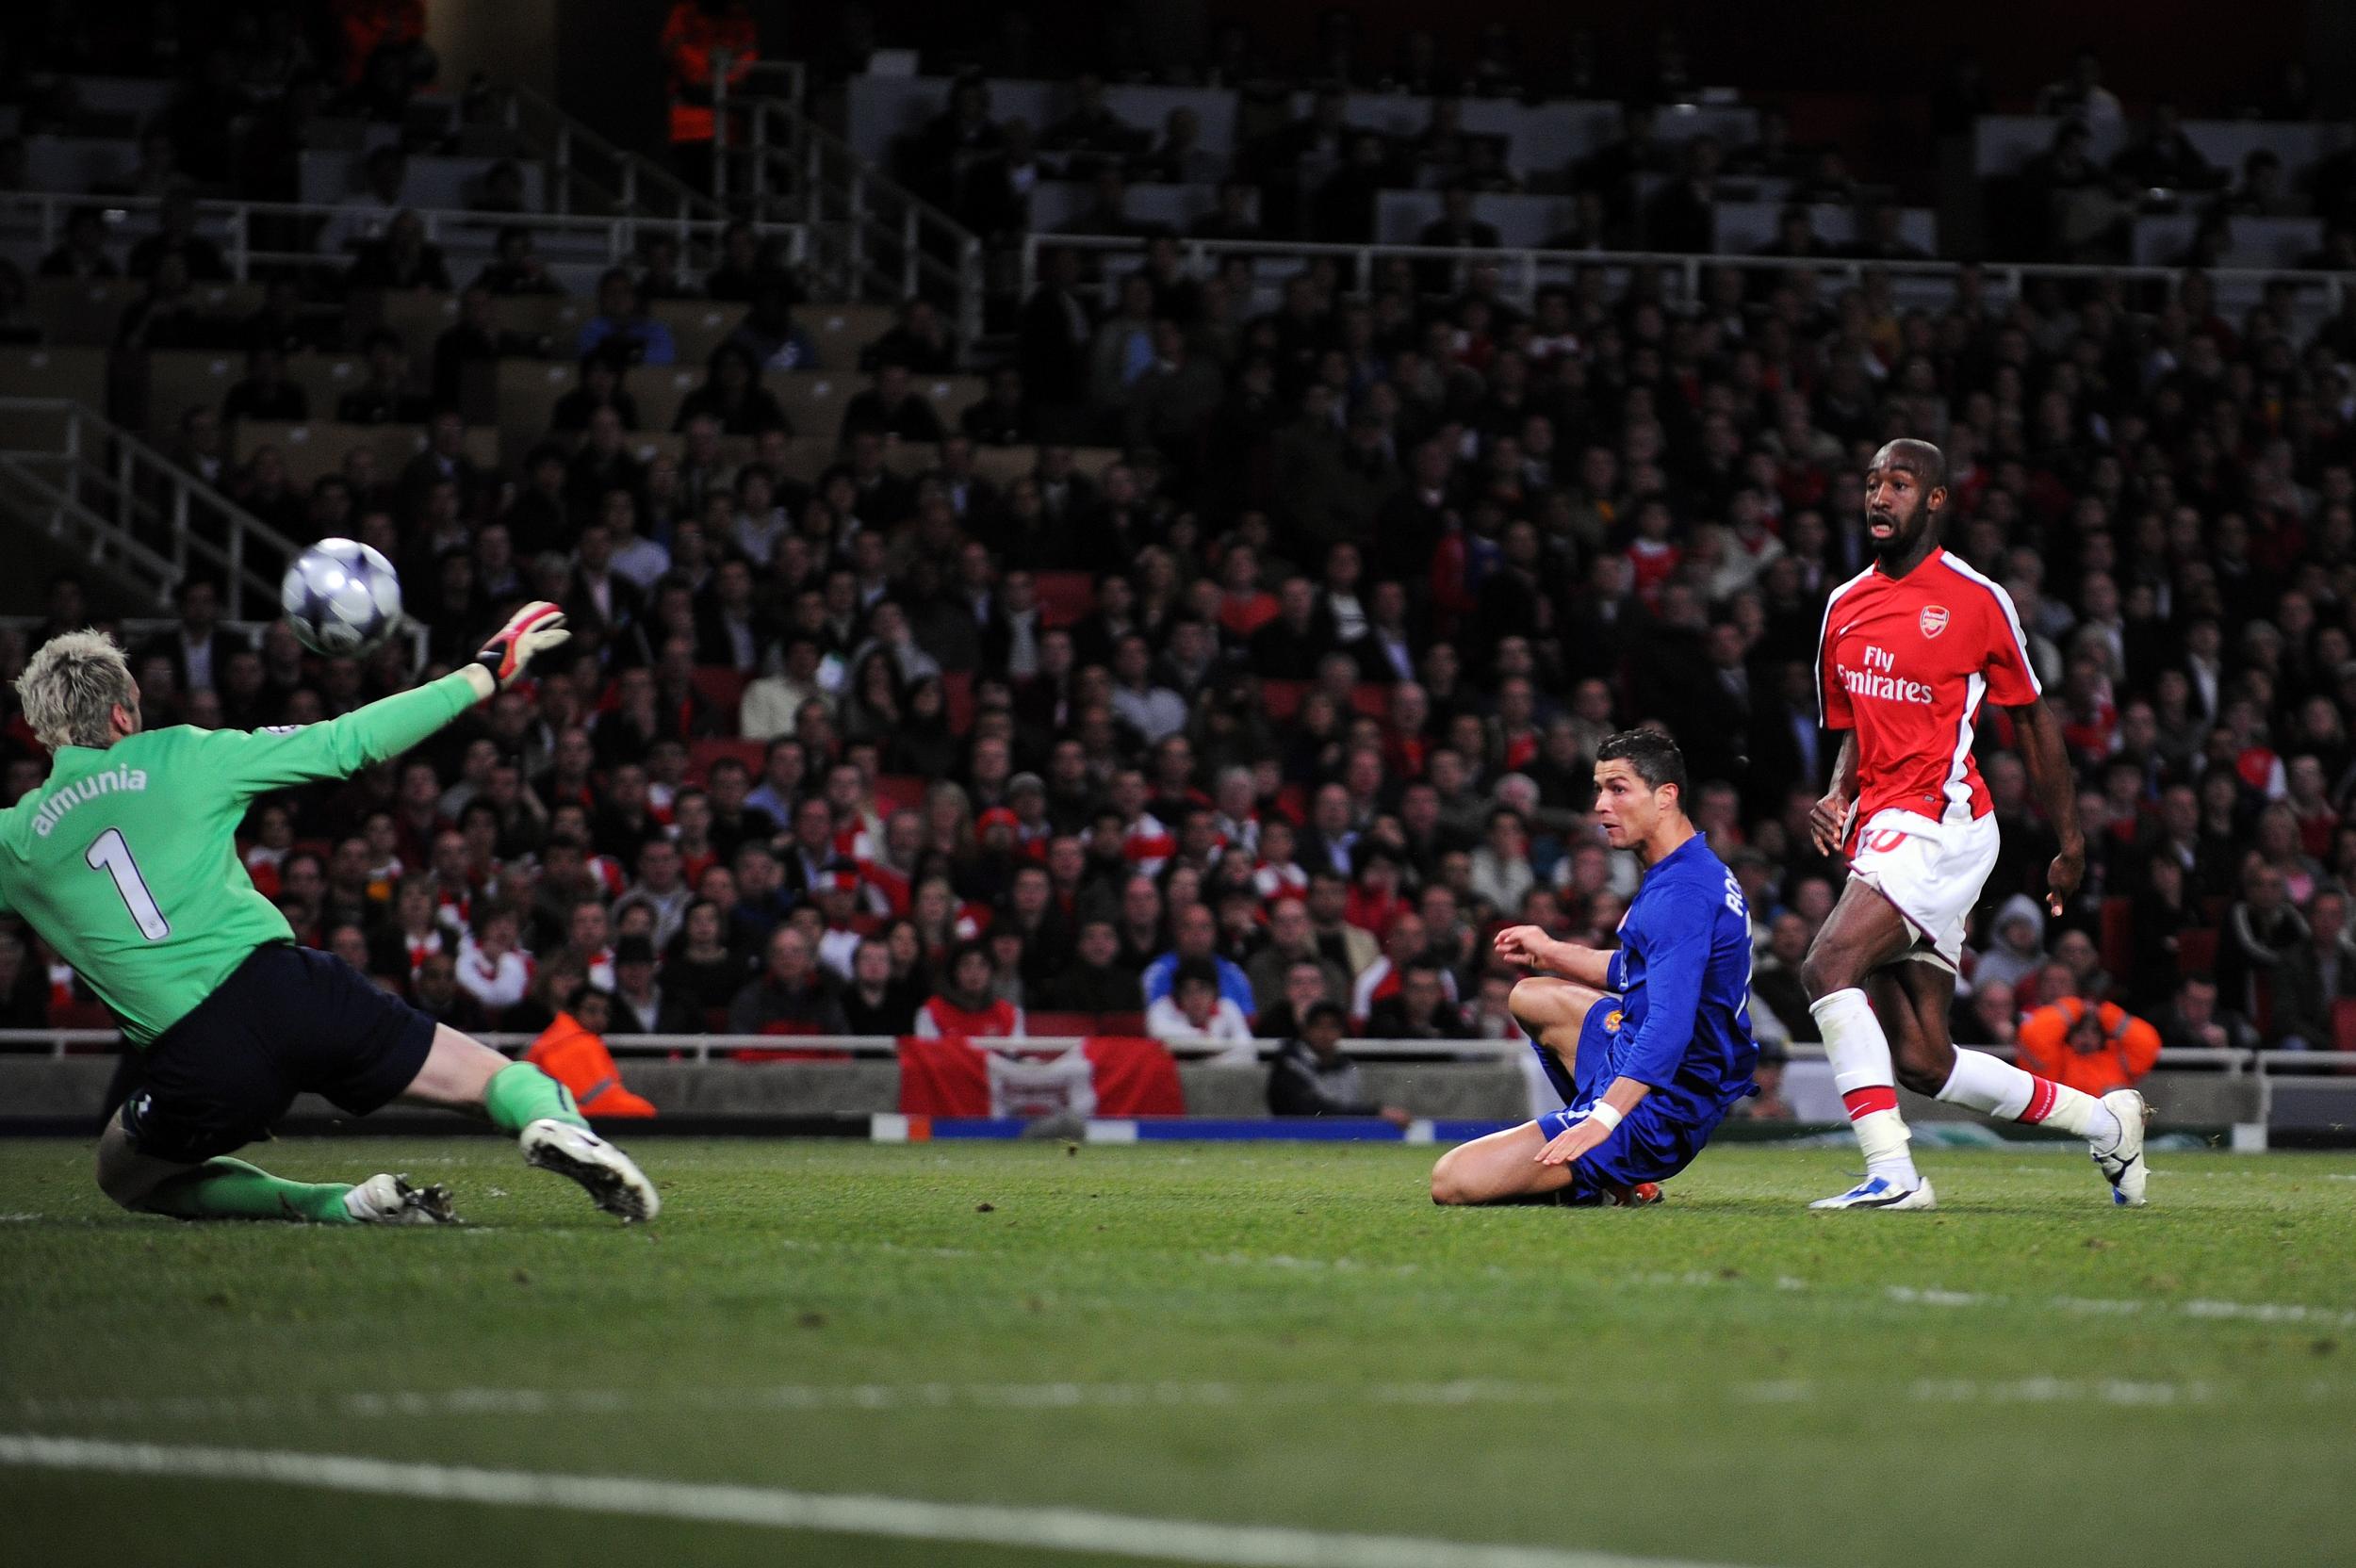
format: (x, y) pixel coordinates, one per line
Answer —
(1880, 1192)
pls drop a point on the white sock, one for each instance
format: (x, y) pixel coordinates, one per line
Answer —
(1860, 1066)
(2000, 1089)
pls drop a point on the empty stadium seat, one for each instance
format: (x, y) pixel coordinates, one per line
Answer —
(900, 792)
(702, 753)
(317, 446)
(2196, 951)
(1053, 1025)
(722, 688)
(1064, 596)
(179, 379)
(840, 333)
(76, 373)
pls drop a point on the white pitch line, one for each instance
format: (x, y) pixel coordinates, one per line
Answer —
(1060, 1530)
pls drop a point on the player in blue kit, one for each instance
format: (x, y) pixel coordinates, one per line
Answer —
(1649, 1044)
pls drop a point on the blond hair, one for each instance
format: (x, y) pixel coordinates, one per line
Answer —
(71, 687)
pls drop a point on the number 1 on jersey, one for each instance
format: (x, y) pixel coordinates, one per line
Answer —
(110, 853)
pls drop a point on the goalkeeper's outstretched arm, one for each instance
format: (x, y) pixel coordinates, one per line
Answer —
(276, 759)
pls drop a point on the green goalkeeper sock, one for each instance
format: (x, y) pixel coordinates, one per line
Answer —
(224, 1188)
(521, 1094)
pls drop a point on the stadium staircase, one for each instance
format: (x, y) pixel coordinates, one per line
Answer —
(867, 237)
(97, 495)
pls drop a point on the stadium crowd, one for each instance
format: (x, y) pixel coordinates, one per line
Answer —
(1294, 702)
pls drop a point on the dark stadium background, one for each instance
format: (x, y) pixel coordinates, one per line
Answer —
(1885, 98)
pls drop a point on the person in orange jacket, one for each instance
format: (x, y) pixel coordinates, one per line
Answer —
(2092, 1047)
(693, 33)
(572, 1051)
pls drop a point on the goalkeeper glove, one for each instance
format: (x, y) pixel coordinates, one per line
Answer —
(532, 630)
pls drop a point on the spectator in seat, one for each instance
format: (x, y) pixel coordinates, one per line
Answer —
(1311, 1076)
(769, 331)
(876, 1002)
(2092, 1047)
(891, 407)
(176, 235)
(1195, 1010)
(1232, 218)
(732, 394)
(1092, 135)
(401, 260)
(1194, 938)
(2163, 156)
(1420, 1009)
(1181, 159)
(790, 996)
(1775, 986)
(266, 393)
(84, 255)
(436, 993)
(1993, 1017)
(739, 272)
(2019, 948)
(641, 1005)
(622, 319)
(1003, 417)
(2314, 975)
(600, 385)
(385, 398)
(516, 267)
(2260, 928)
(1096, 980)
(2193, 1020)
(967, 1006)
(918, 340)
(491, 966)
(1291, 942)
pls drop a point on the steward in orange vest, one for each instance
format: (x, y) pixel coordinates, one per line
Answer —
(2088, 1047)
(693, 34)
(572, 1052)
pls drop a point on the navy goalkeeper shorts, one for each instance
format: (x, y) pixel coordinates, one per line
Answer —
(289, 1020)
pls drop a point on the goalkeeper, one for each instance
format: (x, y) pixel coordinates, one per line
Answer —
(124, 860)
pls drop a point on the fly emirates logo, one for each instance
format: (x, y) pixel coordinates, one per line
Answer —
(1879, 681)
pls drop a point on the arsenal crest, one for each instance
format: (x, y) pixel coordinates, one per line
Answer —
(1933, 619)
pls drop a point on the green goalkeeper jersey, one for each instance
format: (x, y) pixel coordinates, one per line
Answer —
(126, 859)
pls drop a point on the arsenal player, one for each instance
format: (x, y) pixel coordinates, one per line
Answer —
(1912, 646)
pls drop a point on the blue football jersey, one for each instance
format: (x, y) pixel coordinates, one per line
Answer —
(1683, 974)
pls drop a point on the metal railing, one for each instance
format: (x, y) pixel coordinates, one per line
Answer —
(589, 174)
(2236, 1064)
(869, 237)
(128, 511)
(244, 230)
(1523, 270)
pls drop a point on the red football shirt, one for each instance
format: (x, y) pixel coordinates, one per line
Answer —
(1905, 663)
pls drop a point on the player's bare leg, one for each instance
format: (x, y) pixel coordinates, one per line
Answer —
(1502, 1167)
(461, 1073)
(1864, 933)
(225, 1189)
(1929, 1062)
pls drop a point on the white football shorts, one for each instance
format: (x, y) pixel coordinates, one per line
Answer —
(1931, 871)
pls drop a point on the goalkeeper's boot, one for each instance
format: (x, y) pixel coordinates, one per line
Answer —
(2121, 1162)
(389, 1200)
(1880, 1192)
(610, 1178)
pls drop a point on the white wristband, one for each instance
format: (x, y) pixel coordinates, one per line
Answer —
(1607, 1115)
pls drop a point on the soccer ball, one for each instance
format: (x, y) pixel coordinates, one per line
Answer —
(342, 599)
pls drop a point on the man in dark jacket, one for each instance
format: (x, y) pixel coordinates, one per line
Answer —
(1312, 1077)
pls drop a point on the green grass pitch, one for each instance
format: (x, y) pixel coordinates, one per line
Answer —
(1269, 1334)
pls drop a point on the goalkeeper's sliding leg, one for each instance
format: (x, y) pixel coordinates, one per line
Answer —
(291, 1021)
